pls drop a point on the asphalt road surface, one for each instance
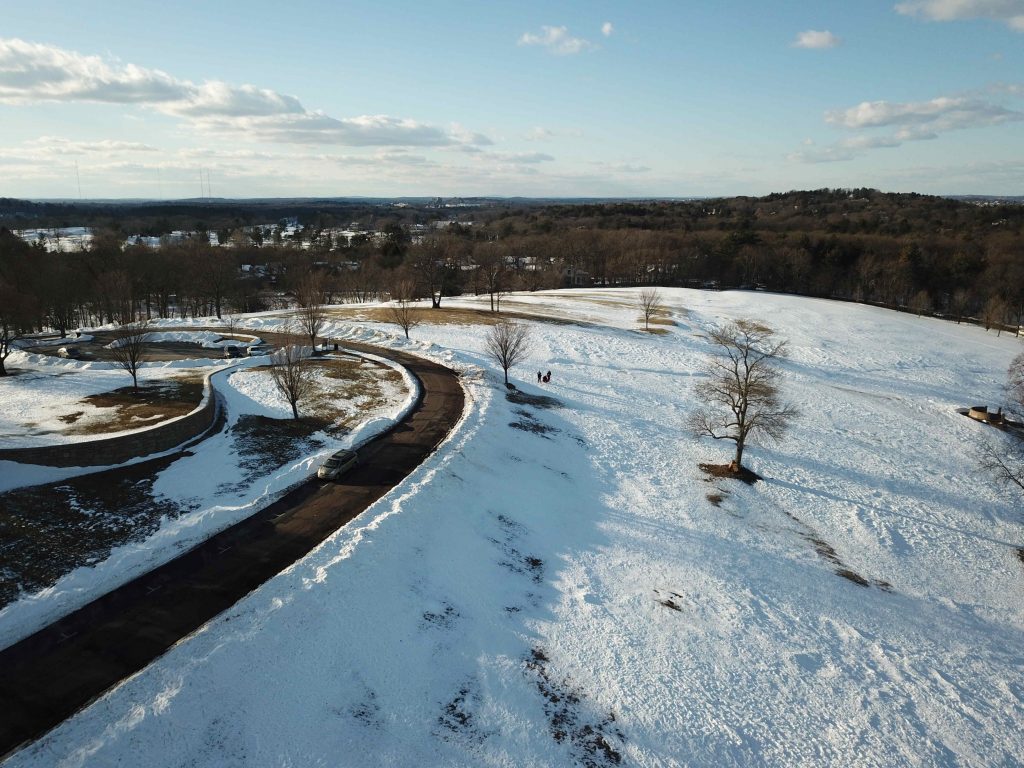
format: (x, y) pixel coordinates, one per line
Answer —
(52, 674)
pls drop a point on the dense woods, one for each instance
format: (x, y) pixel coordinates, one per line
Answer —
(913, 252)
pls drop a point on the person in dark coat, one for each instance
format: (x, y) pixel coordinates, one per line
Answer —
(539, 377)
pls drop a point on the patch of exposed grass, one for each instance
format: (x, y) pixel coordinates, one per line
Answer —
(716, 498)
(594, 741)
(519, 397)
(351, 381)
(130, 409)
(263, 443)
(445, 316)
(47, 531)
(853, 576)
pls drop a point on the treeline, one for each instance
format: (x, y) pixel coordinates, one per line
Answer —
(913, 252)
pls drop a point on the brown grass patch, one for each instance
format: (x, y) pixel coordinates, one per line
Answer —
(716, 498)
(444, 316)
(131, 409)
(352, 380)
(726, 471)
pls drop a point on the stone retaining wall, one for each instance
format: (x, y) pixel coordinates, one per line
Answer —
(119, 449)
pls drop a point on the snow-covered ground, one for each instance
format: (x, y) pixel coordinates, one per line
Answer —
(214, 482)
(553, 587)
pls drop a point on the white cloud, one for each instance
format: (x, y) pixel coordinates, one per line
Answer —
(527, 158)
(557, 40)
(906, 121)
(32, 72)
(814, 39)
(53, 145)
(607, 29)
(1010, 12)
(942, 114)
(539, 134)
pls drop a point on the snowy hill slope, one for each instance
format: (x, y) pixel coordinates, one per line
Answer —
(555, 588)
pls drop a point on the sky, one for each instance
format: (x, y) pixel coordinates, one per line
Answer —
(595, 98)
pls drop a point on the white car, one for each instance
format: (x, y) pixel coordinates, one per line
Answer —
(338, 464)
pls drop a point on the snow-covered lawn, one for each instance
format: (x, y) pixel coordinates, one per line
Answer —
(554, 587)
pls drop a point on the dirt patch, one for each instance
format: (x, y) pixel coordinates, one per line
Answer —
(654, 331)
(726, 471)
(1020, 554)
(131, 409)
(716, 498)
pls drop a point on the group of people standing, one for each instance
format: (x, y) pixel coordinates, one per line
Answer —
(543, 378)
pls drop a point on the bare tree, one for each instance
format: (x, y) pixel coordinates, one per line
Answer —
(741, 394)
(490, 259)
(1015, 381)
(958, 303)
(402, 312)
(1005, 462)
(292, 377)
(129, 348)
(1003, 457)
(508, 344)
(994, 314)
(921, 303)
(14, 314)
(650, 304)
(312, 313)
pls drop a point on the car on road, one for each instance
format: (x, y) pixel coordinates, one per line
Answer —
(232, 351)
(338, 464)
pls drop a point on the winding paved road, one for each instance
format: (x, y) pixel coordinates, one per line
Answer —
(52, 674)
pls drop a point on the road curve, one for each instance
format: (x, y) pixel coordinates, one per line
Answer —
(52, 674)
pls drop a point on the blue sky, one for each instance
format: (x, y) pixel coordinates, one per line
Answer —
(533, 98)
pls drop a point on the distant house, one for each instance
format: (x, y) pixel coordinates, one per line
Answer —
(573, 277)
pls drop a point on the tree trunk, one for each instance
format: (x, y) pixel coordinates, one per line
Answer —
(737, 463)
(506, 377)
(135, 381)
(3, 368)
(295, 411)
